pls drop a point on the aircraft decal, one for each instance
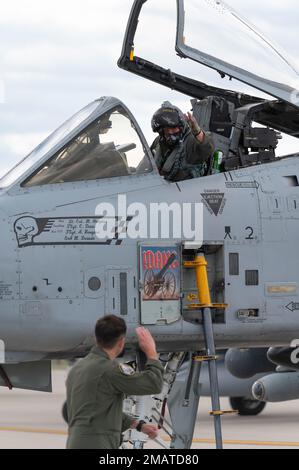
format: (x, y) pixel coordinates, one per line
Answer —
(250, 235)
(228, 231)
(241, 184)
(160, 271)
(31, 231)
(292, 306)
(214, 201)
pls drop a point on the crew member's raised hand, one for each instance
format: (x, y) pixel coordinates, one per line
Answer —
(150, 430)
(195, 127)
(146, 343)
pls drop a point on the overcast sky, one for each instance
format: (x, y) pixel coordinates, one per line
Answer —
(58, 55)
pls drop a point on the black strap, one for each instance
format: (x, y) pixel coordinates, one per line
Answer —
(139, 425)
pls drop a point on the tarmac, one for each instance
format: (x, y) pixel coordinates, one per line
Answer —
(33, 420)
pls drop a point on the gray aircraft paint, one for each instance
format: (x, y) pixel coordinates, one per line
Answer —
(60, 314)
(48, 309)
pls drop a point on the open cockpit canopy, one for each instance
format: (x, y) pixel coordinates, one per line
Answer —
(211, 33)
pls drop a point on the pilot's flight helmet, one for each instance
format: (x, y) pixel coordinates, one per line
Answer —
(168, 116)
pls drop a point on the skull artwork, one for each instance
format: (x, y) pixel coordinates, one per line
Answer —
(26, 228)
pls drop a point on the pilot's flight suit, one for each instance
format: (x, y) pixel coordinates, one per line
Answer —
(96, 387)
(189, 159)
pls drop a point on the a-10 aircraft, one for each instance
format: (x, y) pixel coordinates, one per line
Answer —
(60, 271)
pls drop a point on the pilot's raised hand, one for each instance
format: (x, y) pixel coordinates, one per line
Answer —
(195, 127)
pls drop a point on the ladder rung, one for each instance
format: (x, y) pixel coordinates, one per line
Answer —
(200, 306)
(190, 264)
(225, 412)
(205, 358)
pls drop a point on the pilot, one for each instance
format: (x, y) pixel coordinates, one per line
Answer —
(96, 387)
(183, 150)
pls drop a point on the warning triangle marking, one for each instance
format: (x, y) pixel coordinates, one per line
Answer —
(213, 201)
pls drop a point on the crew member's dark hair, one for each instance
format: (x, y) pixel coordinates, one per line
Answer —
(109, 330)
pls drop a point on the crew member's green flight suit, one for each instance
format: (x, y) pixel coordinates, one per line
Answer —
(190, 159)
(96, 387)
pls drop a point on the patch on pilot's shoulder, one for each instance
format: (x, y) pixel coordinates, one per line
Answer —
(126, 369)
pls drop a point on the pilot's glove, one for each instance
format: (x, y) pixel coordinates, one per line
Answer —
(193, 124)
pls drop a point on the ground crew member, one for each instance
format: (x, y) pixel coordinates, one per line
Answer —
(96, 387)
(183, 150)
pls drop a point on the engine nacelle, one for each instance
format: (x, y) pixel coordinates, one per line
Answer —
(245, 363)
(277, 387)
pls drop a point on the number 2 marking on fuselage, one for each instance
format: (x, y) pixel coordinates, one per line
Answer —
(250, 236)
